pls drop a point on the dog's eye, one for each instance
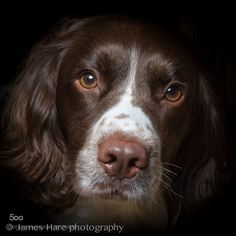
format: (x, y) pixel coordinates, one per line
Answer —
(173, 93)
(88, 81)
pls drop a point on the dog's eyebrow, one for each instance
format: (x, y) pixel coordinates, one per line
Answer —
(162, 65)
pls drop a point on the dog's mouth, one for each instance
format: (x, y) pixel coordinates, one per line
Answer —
(119, 189)
(116, 189)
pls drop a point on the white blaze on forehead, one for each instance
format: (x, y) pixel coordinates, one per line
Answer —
(134, 122)
(132, 73)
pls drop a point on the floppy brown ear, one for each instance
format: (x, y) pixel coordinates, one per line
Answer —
(33, 144)
(203, 154)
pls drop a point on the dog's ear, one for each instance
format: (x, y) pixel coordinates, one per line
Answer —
(213, 140)
(204, 151)
(32, 143)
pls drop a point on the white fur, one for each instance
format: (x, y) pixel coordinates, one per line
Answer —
(137, 123)
(134, 123)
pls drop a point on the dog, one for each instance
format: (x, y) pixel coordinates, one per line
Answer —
(115, 120)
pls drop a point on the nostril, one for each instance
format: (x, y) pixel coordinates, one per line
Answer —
(111, 158)
(133, 162)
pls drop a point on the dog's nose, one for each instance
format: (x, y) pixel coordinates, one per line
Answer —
(122, 158)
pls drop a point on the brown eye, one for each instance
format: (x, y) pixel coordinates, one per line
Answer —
(88, 81)
(173, 93)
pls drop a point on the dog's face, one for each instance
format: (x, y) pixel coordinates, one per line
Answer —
(119, 114)
(124, 103)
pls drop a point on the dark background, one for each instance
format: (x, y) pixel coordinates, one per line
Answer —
(211, 29)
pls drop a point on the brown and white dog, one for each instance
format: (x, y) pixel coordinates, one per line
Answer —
(116, 119)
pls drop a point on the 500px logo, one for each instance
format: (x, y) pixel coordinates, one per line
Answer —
(13, 217)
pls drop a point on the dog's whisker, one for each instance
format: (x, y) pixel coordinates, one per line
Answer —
(171, 164)
(169, 171)
(166, 176)
(170, 189)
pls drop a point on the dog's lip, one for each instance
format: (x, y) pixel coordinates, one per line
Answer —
(118, 185)
(114, 189)
(112, 195)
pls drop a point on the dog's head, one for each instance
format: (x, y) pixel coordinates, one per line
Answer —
(115, 109)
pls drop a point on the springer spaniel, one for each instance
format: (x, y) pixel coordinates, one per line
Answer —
(114, 120)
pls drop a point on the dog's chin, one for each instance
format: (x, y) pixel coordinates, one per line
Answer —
(113, 194)
(115, 190)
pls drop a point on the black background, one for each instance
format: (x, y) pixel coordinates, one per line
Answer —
(211, 28)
